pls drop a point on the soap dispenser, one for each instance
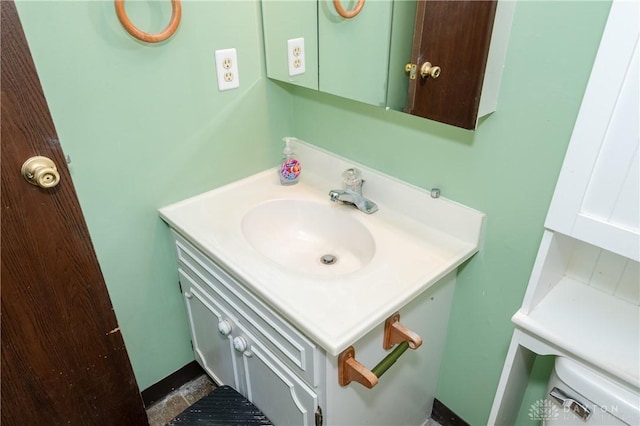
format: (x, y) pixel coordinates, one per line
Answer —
(290, 167)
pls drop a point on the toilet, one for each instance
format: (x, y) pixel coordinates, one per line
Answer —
(577, 395)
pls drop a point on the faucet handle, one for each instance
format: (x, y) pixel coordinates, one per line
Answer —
(352, 177)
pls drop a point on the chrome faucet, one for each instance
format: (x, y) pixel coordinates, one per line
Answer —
(352, 192)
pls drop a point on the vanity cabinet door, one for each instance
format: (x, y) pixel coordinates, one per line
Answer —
(455, 36)
(213, 349)
(271, 386)
(290, 346)
(232, 356)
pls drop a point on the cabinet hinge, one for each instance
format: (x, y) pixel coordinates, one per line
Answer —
(180, 285)
(319, 416)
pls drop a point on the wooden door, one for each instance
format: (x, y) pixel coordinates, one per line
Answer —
(455, 36)
(63, 356)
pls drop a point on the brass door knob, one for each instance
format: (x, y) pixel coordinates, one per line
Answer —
(41, 171)
(428, 70)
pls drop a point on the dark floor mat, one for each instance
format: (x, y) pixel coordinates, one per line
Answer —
(224, 406)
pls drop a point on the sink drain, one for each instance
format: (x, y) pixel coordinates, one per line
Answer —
(328, 259)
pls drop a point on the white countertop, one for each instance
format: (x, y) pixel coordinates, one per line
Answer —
(414, 248)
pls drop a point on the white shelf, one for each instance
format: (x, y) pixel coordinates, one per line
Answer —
(590, 324)
(583, 298)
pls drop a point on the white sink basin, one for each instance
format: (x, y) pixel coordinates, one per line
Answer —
(308, 237)
(272, 238)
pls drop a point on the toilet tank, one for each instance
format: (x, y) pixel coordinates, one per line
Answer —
(577, 395)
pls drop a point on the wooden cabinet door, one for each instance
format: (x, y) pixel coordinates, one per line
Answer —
(454, 35)
(63, 356)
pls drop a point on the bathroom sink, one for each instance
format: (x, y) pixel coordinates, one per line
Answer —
(332, 270)
(308, 237)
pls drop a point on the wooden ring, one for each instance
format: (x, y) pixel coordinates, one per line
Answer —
(351, 13)
(176, 13)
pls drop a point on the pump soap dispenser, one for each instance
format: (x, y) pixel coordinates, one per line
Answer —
(290, 167)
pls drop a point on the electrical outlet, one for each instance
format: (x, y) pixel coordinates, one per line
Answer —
(295, 56)
(227, 69)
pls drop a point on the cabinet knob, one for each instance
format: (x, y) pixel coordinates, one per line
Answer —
(240, 344)
(428, 70)
(224, 327)
(41, 171)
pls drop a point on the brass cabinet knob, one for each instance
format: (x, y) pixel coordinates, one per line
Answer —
(428, 70)
(41, 171)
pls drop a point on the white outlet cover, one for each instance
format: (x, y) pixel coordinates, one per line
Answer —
(227, 69)
(295, 56)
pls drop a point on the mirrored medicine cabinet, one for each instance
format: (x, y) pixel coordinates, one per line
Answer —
(441, 60)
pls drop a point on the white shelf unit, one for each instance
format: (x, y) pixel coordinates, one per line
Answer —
(585, 305)
(583, 296)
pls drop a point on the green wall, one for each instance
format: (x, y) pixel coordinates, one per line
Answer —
(506, 169)
(145, 126)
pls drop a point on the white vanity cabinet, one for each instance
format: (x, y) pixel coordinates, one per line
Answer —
(242, 343)
(290, 332)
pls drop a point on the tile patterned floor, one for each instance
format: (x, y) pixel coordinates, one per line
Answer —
(177, 401)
